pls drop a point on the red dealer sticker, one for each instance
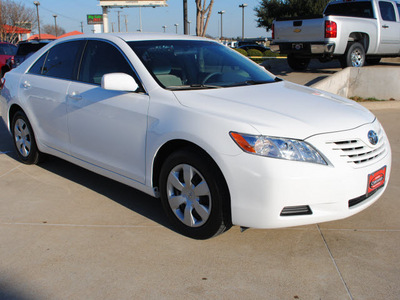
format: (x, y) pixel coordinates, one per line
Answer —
(376, 180)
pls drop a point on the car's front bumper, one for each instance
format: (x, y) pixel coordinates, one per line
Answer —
(273, 193)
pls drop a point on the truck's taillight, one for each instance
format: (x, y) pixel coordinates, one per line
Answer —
(330, 29)
(273, 31)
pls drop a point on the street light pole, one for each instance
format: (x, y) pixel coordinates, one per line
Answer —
(37, 3)
(221, 13)
(55, 24)
(164, 27)
(242, 6)
(176, 27)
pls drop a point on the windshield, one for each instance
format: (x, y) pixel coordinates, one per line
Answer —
(184, 64)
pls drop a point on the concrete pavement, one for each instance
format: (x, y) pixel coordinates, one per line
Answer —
(67, 233)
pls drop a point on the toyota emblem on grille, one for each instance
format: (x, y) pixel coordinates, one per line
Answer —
(373, 137)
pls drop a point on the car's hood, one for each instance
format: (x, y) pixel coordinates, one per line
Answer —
(280, 109)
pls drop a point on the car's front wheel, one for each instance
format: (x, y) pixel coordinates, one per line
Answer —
(24, 139)
(194, 194)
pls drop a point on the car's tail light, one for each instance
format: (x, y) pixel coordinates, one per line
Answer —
(330, 29)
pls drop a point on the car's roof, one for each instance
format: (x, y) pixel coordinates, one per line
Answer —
(128, 37)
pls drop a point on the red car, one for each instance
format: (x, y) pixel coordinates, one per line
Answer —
(7, 51)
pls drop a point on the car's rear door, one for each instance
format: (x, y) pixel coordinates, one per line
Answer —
(107, 128)
(43, 92)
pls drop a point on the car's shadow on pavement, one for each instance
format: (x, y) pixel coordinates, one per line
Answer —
(124, 195)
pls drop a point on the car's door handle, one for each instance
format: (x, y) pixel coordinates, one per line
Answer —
(385, 26)
(75, 96)
(26, 85)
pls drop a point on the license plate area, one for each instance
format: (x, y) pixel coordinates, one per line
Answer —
(297, 46)
(376, 180)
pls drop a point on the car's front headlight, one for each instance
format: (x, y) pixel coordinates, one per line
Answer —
(274, 147)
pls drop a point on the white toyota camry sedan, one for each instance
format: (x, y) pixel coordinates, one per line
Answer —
(220, 140)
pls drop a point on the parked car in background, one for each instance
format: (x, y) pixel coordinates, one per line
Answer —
(254, 46)
(7, 51)
(354, 32)
(24, 50)
(220, 140)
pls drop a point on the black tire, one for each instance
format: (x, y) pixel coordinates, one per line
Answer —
(373, 60)
(24, 139)
(200, 209)
(298, 63)
(354, 56)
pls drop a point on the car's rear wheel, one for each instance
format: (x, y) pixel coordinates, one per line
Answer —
(194, 194)
(24, 139)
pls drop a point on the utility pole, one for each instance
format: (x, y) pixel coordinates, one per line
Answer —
(119, 23)
(185, 17)
(126, 23)
(82, 27)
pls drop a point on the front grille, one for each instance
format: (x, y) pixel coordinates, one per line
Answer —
(296, 211)
(358, 153)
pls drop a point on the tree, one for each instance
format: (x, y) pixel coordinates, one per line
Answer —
(203, 16)
(15, 14)
(51, 29)
(270, 10)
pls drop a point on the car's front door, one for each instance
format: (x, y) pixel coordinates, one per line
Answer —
(107, 128)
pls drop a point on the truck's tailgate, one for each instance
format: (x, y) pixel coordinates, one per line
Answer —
(308, 30)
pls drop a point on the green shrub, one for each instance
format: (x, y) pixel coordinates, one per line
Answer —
(254, 52)
(241, 51)
(269, 53)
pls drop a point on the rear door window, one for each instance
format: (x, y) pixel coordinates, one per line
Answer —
(61, 61)
(387, 11)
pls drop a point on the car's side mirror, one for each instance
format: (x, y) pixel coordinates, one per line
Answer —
(119, 82)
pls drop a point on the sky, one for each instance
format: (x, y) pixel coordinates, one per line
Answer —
(70, 14)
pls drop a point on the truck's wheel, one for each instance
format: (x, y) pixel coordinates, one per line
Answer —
(297, 63)
(354, 56)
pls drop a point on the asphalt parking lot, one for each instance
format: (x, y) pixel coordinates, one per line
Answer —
(67, 233)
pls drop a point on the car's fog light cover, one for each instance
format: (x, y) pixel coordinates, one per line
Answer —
(278, 148)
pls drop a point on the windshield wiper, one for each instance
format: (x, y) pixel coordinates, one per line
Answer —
(194, 87)
(250, 82)
(204, 86)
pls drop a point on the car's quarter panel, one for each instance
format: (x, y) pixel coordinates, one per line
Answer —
(108, 128)
(44, 102)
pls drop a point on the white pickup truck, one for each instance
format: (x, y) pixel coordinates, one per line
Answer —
(353, 31)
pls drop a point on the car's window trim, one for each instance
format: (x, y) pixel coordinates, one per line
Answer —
(141, 89)
(137, 78)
